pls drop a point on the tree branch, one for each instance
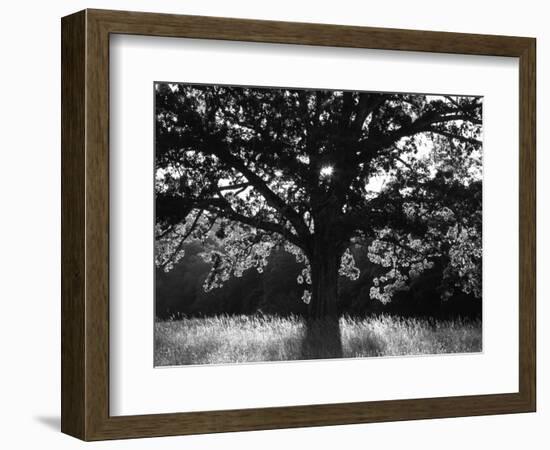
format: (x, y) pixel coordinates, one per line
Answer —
(421, 125)
(233, 187)
(261, 186)
(448, 135)
(221, 207)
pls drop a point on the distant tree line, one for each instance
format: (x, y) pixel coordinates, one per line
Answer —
(275, 291)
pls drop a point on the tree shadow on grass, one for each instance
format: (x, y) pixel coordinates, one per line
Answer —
(322, 339)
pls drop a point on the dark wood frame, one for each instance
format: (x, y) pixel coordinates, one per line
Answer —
(85, 224)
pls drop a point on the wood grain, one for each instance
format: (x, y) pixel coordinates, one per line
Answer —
(85, 224)
(73, 111)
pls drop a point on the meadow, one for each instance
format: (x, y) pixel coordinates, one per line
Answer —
(236, 339)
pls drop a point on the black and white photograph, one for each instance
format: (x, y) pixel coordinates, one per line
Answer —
(300, 223)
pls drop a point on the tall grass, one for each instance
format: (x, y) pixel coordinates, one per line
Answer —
(234, 339)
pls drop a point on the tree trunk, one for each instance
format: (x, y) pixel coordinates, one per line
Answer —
(322, 337)
(324, 263)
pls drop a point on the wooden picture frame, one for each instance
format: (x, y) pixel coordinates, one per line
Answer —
(85, 224)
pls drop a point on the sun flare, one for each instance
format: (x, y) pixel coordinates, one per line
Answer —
(327, 171)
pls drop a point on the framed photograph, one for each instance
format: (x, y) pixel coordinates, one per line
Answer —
(271, 224)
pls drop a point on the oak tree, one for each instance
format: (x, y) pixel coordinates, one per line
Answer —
(248, 170)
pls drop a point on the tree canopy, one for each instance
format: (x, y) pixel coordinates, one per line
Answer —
(248, 170)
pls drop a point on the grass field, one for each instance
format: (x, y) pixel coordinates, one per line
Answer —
(235, 339)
